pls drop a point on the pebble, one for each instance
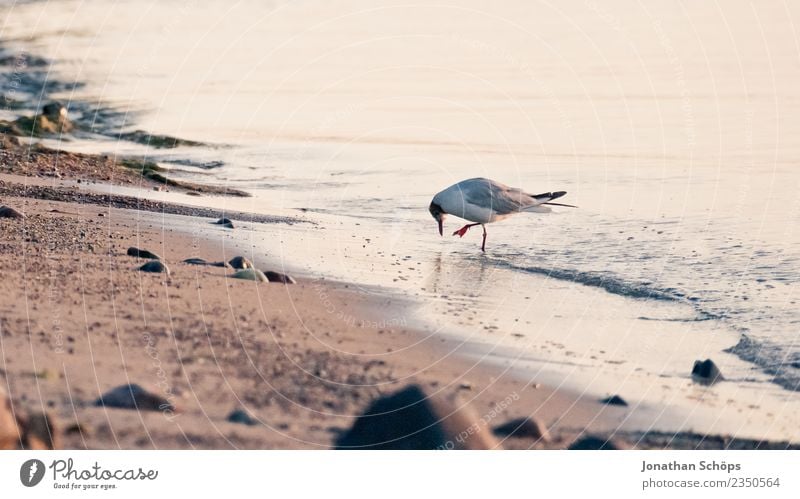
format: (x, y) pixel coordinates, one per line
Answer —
(250, 275)
(225, 222)
(706, 371)
(155, 266)
(240, 262)
(8, 212)
(133, 396)
(140, 253)
(614, 400)
(278, 277)
(243, 417)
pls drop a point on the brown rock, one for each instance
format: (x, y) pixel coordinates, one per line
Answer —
(413, 419)
(523, 428)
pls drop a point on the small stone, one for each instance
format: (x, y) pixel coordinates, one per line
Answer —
(523, 428)
(140, 253)
(134, 396)
(250, 275)
(614, 400)
(155, 266)
(243, 417)
(706, 372)
(278, 277)
(240, 262)
(8, 212)
(224, 221)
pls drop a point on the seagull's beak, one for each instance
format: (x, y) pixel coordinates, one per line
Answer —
(441, 229)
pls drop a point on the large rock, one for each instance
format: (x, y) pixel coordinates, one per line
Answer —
(706, 372)
(413, 419)
(523, 428)
(134, 396)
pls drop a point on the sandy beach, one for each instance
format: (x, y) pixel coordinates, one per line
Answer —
(304, 360)
(658, 311)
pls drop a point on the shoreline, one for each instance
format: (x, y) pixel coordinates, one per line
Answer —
(326, 340)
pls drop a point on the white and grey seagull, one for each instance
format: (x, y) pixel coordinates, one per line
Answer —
(483, 201)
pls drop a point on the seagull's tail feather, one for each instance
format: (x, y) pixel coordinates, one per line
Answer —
(561, 204)
(547, 197)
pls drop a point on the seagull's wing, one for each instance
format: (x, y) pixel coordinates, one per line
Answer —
(500, 198)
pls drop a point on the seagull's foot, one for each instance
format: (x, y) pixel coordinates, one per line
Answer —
(460, 232)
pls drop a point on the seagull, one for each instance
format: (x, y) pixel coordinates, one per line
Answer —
(483, 201)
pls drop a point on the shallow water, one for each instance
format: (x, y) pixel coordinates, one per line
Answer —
(674, 128)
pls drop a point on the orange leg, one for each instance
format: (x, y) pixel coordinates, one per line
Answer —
(463, 230)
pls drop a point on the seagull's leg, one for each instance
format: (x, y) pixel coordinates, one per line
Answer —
(483, 244)
(463, 230)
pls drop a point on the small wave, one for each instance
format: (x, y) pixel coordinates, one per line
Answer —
(605, 281)
(772, 359)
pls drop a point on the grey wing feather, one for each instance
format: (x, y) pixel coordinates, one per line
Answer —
(500, 198)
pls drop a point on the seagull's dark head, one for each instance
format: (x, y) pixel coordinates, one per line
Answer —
(438, 214)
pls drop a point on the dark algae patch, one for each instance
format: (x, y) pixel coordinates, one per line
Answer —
(158, 141)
